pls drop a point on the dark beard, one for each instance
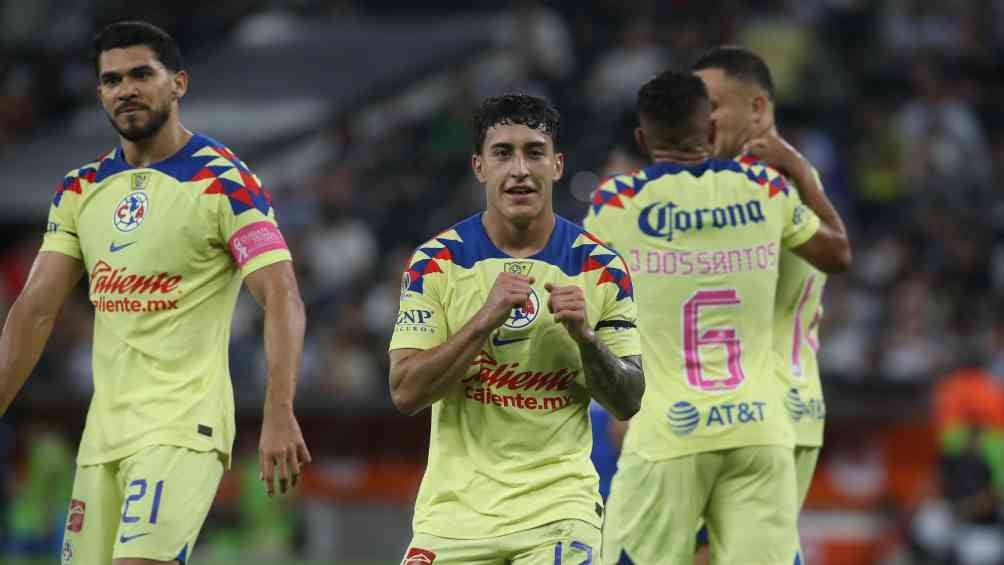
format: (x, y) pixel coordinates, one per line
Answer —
(157, 120)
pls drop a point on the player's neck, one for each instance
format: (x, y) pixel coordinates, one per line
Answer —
(161, 145)
(678, 156)
(518, 239)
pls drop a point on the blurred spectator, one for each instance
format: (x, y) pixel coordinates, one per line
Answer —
(946, 146)
(613, 82)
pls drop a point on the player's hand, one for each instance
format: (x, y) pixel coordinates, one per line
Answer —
(508, 292)
(281, 451)
(568, 304)
(775, 151)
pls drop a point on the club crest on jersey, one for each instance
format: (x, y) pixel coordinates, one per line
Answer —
(522, 316)
(521, 268)
(140, 181)
(131, 211)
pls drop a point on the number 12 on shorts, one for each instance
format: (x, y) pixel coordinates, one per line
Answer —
(140, 484)
(576, 545)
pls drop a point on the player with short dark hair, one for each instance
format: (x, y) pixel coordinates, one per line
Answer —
(742, 98)
(166, 226)
(510, 322)
(702, 238)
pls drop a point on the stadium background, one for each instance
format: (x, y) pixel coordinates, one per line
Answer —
(356, 116)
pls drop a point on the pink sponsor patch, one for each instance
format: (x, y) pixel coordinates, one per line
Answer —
(253, 240)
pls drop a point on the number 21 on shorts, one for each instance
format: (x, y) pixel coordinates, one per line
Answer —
(137, 491)
(694, 338)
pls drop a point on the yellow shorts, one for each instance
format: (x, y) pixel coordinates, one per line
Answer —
(745, 496)
(148, 505)
(567, 542)
(805, 466)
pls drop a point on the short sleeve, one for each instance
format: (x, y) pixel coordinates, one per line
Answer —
(61, 228)
(249, 228)
(800, 222)
(617, 327)
(421, 318)
(601, 217)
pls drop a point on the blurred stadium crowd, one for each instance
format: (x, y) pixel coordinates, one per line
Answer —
(897, 103)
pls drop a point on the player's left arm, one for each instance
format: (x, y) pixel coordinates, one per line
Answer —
(615, 382)
(281, 449)
(829, 249)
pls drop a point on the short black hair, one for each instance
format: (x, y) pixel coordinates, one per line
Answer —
(670, 101)
(533, 112)
(738, 62)
(126, 34)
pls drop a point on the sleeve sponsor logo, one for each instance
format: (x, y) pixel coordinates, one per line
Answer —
(405, 284)
(254, 239)
(665, 219)
(798, 215)
(414, 320)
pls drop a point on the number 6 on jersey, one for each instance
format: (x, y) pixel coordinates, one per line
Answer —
(727, 337)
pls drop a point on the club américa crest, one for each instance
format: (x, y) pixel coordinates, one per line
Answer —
(131, 211)
(522, 316)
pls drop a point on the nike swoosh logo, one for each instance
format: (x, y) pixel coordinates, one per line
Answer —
(126, 539)
(497, 340)
(113, 248)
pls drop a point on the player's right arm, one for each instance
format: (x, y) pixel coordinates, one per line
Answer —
(31, 318)
(829, 249)
(420, 377)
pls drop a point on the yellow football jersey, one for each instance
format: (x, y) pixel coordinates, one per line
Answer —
(510, 443)
(165, 248)
(703, 244)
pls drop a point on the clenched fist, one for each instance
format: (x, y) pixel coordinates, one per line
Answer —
(508, 292)
(568, 304)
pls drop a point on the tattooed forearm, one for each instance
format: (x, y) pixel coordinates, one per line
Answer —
(615, 382)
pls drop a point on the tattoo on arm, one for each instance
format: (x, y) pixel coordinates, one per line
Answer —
(615, 382)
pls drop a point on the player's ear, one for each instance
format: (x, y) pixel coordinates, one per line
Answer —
(478, 166)
(639, 138)
(761, 108)
(559, 165)
(180, 84)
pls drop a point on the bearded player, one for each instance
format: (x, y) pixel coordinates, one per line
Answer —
(166, 226)
(741, 90)
(702, 238)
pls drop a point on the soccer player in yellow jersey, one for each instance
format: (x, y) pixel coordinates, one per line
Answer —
(741, 90)
(510, 322)
(702, 238)
(165, 227)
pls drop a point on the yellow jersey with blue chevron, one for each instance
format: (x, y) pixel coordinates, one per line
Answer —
(703, 244)
(510, 443)
(165, 248)
(798, 311)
